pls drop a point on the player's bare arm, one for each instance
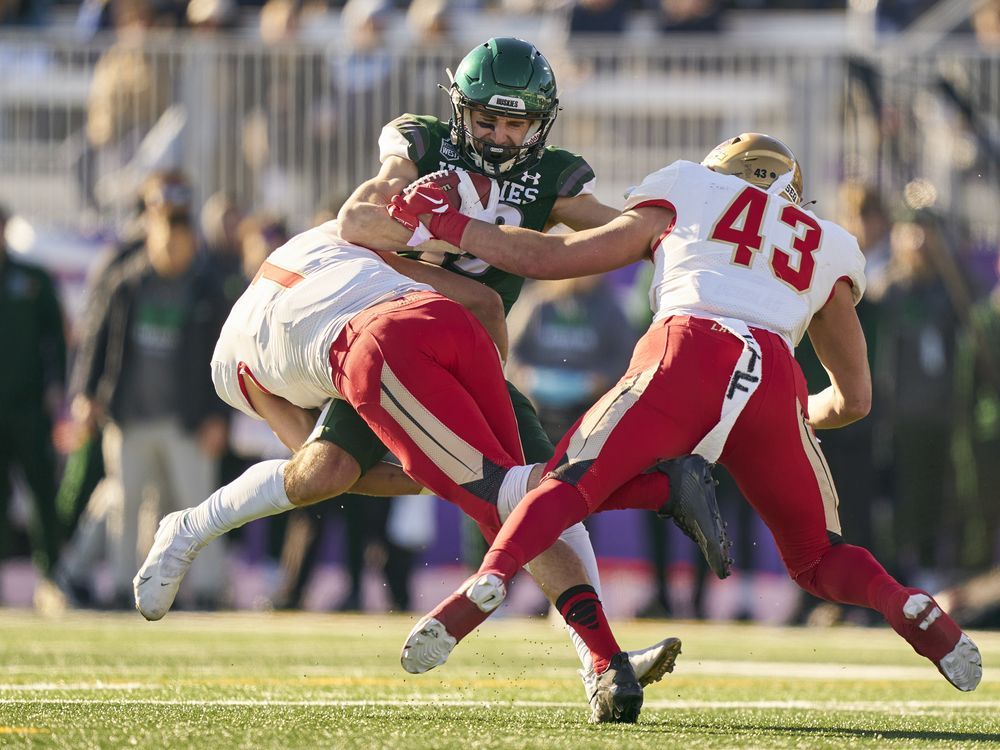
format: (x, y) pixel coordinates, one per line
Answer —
(626, 239)
(581, 212)
(839, 341)
(362, 219)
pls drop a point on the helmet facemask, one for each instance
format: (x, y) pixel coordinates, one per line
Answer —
(495, 159)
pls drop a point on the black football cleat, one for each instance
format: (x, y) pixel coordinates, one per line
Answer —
(617, 696)
(693, 507)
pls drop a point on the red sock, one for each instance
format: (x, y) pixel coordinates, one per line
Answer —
(850, 575)
(459, 616)
(645, 492)
(584, 612)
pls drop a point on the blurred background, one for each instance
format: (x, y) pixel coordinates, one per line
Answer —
(212, 130)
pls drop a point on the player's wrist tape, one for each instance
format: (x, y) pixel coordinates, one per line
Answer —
(420, 235)
(449, 226)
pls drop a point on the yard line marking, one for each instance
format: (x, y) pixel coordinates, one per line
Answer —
(685, 669)
(424, 701)
(24, 730)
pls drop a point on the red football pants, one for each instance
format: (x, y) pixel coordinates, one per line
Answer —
(425, 376)
(668, 400)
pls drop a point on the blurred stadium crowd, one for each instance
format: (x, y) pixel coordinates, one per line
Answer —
(144, 142)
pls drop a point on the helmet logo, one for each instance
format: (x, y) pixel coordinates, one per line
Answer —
(507, 101)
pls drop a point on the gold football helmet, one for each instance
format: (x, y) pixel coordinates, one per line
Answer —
(760, 160)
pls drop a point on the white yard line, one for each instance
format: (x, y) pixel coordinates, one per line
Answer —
(426, 700)
(685, 668)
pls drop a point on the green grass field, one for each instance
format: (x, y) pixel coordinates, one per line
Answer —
(325, 681)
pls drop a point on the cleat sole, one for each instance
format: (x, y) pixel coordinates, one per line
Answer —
(963, 667)
(664, 663)
(428, 646)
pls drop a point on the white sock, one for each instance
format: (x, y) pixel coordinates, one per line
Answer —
(513, 489)
(256, 493)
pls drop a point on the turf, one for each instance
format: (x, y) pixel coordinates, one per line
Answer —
(324, 681)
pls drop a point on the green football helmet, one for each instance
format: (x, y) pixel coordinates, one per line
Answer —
(506, 77)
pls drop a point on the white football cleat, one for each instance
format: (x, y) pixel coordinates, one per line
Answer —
(174, 549)
(963, 667)
(427, 646)
(649, 664)
(429, 643)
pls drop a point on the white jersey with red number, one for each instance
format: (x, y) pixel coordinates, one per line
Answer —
(737, 251)
(280, 331)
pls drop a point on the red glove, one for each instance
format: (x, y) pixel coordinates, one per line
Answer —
(446, 223)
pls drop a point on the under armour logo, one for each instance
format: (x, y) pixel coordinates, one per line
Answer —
(535, 178)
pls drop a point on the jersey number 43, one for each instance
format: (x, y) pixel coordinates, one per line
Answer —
(742, 223)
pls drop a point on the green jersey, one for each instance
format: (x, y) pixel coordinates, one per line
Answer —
(526, 196)
(526, 200)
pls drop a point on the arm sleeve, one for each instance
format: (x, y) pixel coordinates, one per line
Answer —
(577, 178)
(405, 137)
(657, 187)
(850, 259)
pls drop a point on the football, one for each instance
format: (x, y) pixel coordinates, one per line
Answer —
(470, 193)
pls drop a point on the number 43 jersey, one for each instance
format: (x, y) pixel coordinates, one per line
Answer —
(738, 251)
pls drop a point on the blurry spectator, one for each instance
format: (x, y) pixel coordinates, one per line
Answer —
(690, 16)
(569, 342)
(428, 21)
(598, 17)
(361, 71)
(31, 393)
(284, 138)
(127, 96)
(211, 15)
(260, 235)
(84, 500)
(141, 369)
(977, 439)
(915, 353)
(220, 221)
(23, 12)
(986, 24)
(863, 214)
(279, 21)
